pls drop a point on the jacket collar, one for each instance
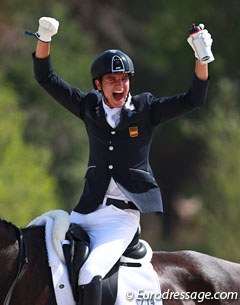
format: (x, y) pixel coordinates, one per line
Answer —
(127, 114)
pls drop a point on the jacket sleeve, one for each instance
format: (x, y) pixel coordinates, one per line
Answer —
(166, 108)
(68, 96)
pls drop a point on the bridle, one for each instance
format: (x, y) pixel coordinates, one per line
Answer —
(23, 260)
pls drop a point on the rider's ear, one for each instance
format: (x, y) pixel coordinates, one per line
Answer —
(98, 84)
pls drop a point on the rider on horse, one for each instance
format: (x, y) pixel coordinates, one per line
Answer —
(119, 183)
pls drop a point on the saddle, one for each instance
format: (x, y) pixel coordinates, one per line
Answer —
(76, 253)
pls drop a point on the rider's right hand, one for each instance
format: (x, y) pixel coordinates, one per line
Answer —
(47, 28)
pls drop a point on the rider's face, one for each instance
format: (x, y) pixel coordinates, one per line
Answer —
(115, 87)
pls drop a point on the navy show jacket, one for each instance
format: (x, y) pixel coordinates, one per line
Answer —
(122, 152)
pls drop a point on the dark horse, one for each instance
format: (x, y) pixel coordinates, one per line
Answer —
(181, 271)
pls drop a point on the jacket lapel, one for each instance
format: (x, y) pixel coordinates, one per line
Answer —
(99, 115)
(128, 116)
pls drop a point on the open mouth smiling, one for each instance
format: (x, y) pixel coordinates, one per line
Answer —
(118, 95)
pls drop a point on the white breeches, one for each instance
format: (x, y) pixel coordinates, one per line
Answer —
(110, 230)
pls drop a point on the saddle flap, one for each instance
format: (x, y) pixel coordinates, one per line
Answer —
(76, 253)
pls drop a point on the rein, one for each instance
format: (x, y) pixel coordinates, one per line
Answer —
(21, 268)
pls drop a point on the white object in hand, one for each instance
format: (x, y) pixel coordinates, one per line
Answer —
(201, 42)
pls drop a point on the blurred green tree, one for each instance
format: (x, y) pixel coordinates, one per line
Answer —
(48, 125)
(220, 174)
(26, 188)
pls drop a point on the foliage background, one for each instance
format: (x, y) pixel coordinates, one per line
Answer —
(195, 158)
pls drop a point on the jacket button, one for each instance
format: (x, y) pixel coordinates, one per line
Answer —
(110, 166)
(110, 147)
(113, 132)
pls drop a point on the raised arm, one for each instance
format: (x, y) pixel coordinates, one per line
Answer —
(64, 93)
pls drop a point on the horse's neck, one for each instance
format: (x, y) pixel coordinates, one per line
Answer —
(35, 241)
(40, 291)
(37, 267)
(8, 256)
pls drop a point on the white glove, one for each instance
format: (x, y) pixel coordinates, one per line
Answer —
(205, 36)
(47, 28)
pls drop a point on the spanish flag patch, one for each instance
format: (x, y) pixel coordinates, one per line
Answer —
(133, 131)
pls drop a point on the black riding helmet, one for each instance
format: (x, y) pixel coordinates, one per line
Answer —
(111, 61)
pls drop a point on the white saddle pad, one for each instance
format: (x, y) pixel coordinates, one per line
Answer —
(136, 285)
